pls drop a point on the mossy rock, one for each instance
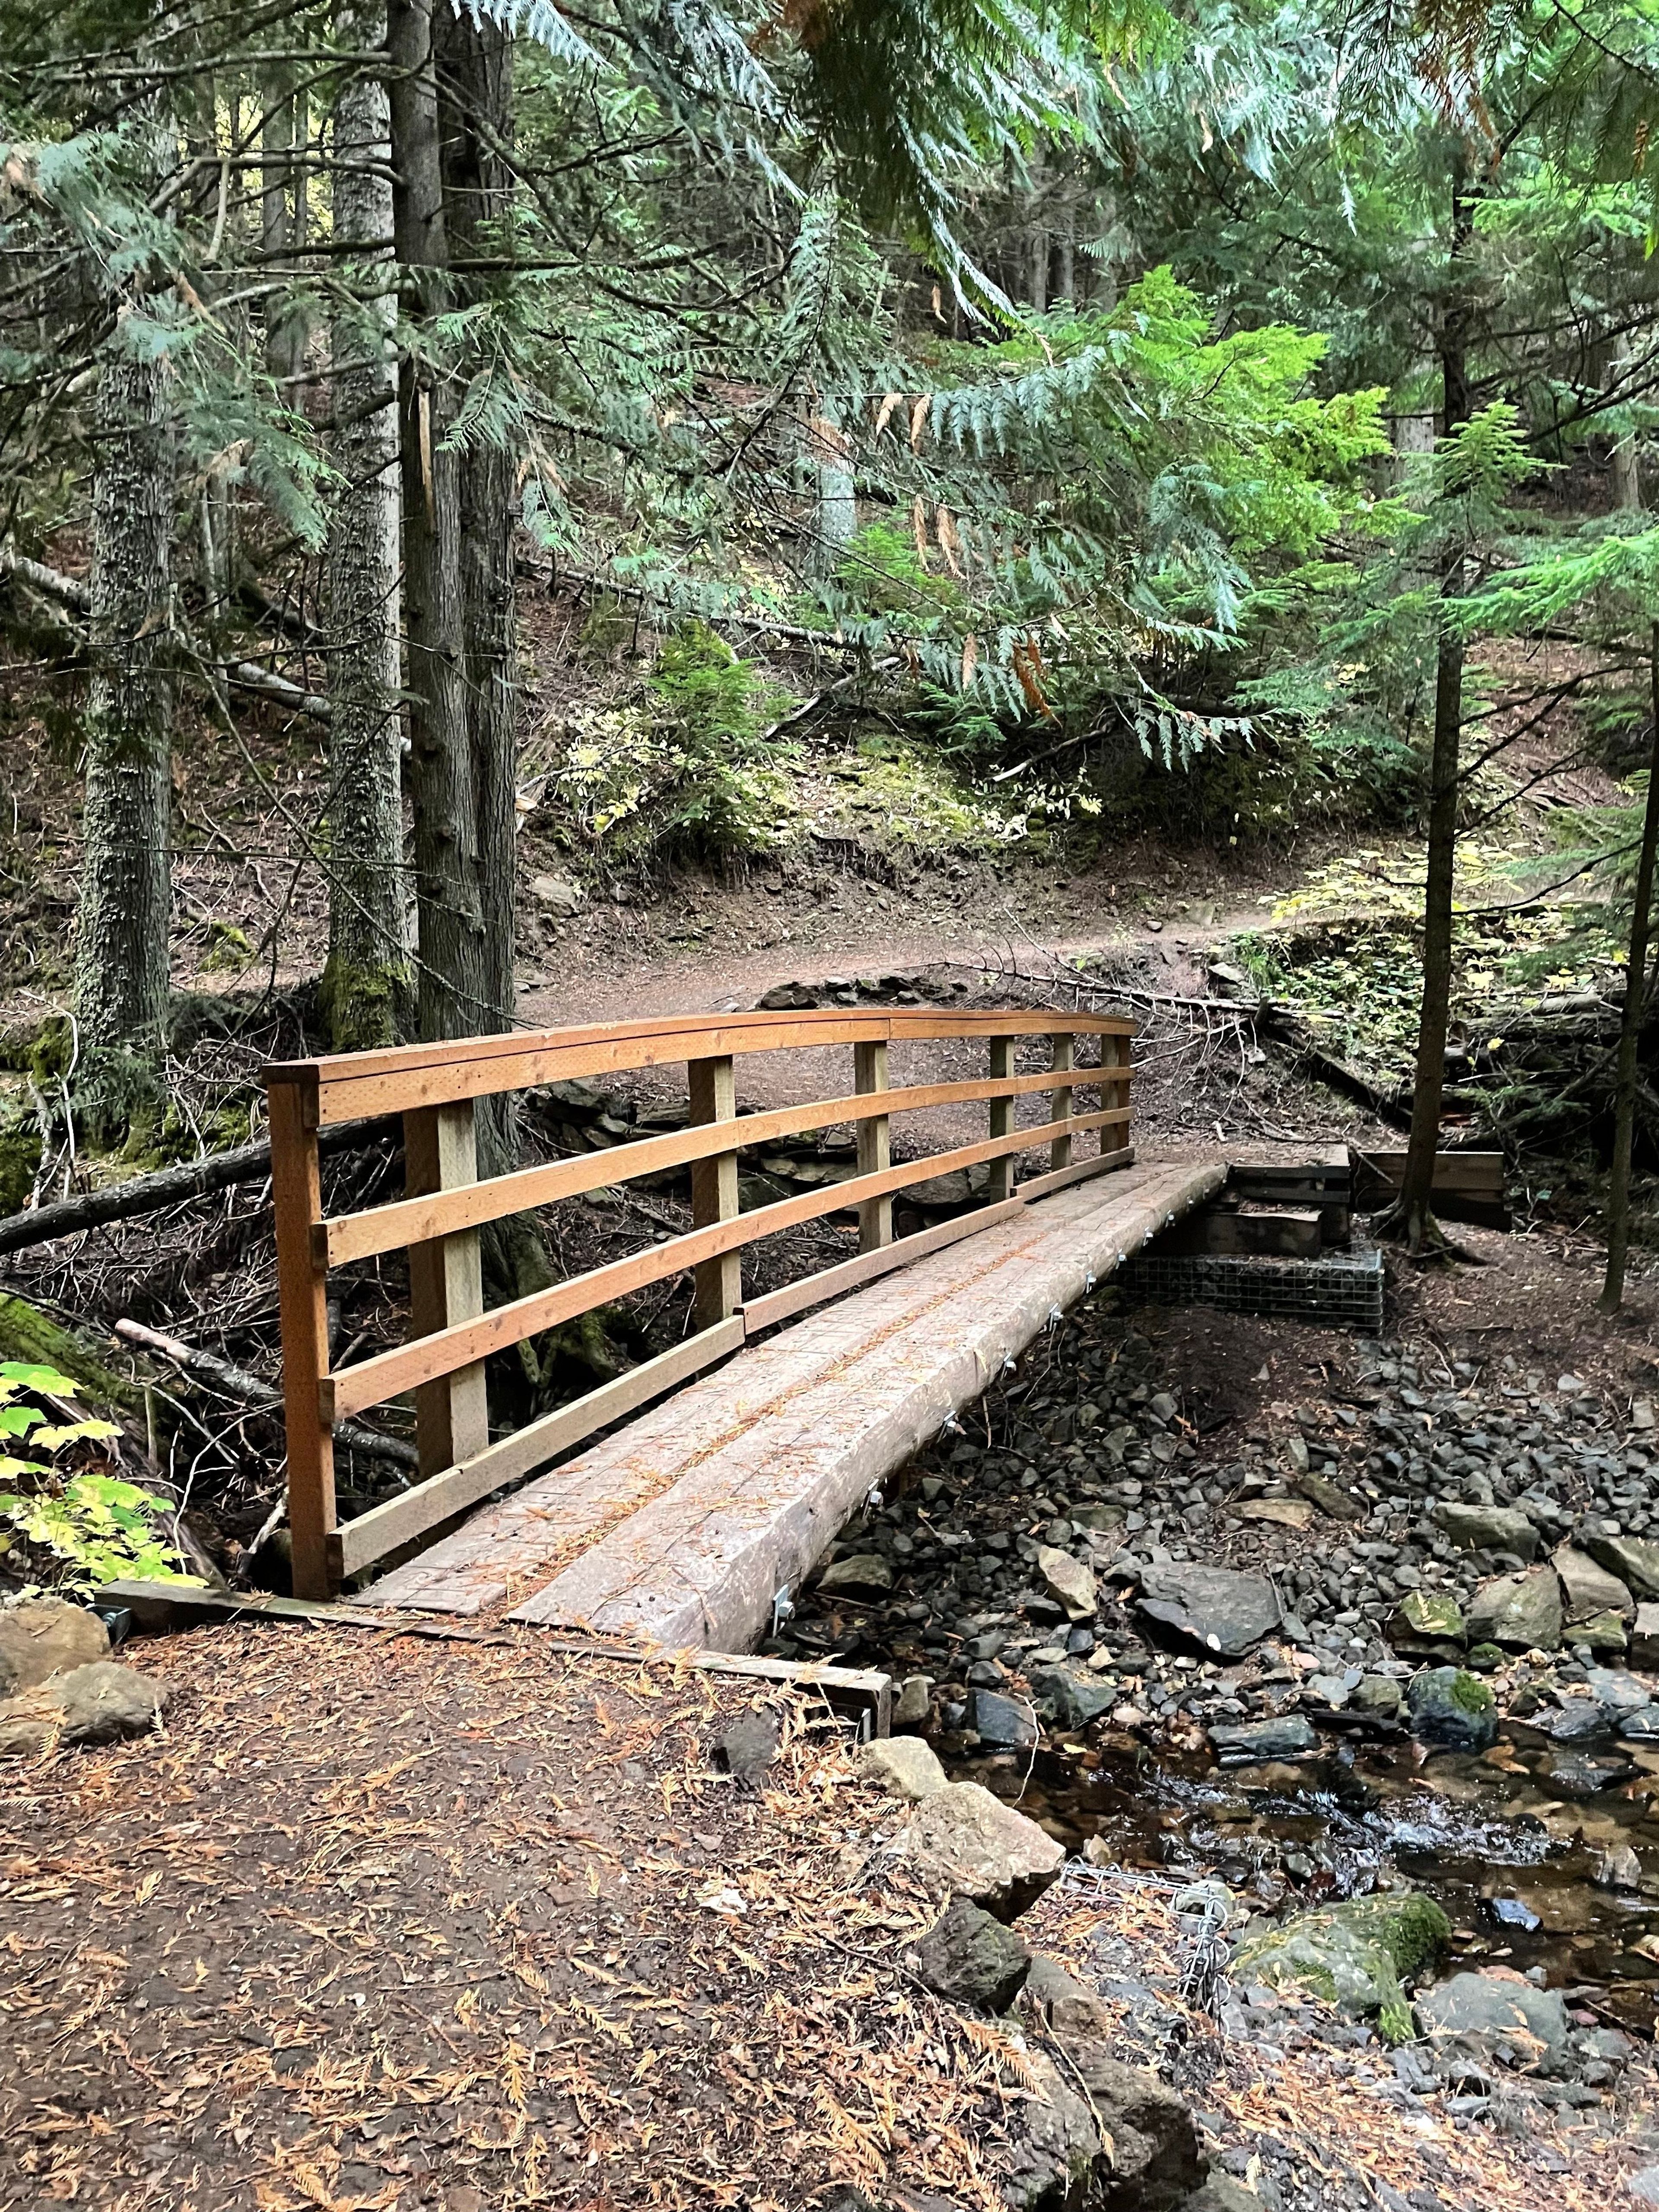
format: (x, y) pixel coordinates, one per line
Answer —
(1355, 1956)
(26, 1333)
(1448, 1705)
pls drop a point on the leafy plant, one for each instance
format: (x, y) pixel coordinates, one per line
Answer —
(103, 1529)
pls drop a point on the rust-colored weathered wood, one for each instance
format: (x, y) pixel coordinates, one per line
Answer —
(874, 1153)
(352, 1084)
(446, 1285)
(302, 1292)
(401, 1519)
(405, 1367)
(414, 1220)
(718, 1280)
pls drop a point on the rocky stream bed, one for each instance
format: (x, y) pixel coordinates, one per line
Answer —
(1355, 1674)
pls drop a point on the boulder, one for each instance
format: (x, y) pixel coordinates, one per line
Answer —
(967, 1958)
(1636, 1563)
(555, 891)
(1070, 1580)
(1428, 1625)
(1058, 2154)
(1522, 1612)
(1070, 1699)
(1353, 1955)
(1289, 1736)
(1378, 1694)
(1488, 1528)
(1221, 2193)
(1215, 1608)
(1643, 2185)
(1509, 2021)
(1586, 1588)
(45, 1635)
(101, 1702)
(904, 1765)
(1450, 1706)
(1155, 2159)
(979, 1848)
(861, 1574)
(1008, 1722)
(1125, 2143)
(1602, 1631)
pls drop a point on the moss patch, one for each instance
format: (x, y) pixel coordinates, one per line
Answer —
(1354, 1956)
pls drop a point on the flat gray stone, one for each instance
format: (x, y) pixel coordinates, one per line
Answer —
(1635, 1561)
(1488, 1528)
(904, 1765)
(1216, 1608)
(44, 1636)
(1070, 1580)
(1509, 2021)
(1586, 1588)
(862, 1574)
(977, 1847)
(1521, 1611)
(1070, 1699)
(1289, 1736)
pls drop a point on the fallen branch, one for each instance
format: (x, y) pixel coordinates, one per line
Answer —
(70, 592)
(150, 1193)
(260, 1395)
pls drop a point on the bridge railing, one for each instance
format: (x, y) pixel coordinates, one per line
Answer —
(435, 1089)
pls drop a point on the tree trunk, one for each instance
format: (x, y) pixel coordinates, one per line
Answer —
(278, 236)
(453, 996)
(1415, 1213)
(369, 984)
(1627, 478)
(1630, 1026)
(121, 935)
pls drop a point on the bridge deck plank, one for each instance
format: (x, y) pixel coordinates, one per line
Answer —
(682, 1526)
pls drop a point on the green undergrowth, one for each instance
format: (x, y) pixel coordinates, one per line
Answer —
(1346, 955)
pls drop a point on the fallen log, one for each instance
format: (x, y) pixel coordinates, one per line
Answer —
(150, 1193)
(259, 1393)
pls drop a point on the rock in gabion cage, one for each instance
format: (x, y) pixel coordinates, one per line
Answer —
(1343, 1290)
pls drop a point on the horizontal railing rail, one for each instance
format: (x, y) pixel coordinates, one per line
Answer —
(436, 1087)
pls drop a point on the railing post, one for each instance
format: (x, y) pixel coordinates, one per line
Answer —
(1115, 1054)
(301, 1285)
(1062, 1054)
(714, 1192)
(1001, 1120)
(874, 1147)
(446, 1285)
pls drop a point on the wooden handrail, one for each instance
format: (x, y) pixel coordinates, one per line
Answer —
(435, 1086)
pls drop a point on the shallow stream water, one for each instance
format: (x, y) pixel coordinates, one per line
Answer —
(1513, 1867)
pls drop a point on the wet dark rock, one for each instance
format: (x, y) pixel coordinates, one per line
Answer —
(1579, 1720)
(1449, 1706)
(1586, 1774)
(1290, 1735)
(1008, 1722)
(1643, 1727)
(1220, 1611)
(1071, 1698)
(969, 1958)
(1615, 1690)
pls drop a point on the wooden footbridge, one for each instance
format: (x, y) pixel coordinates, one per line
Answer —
(772, 1418)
